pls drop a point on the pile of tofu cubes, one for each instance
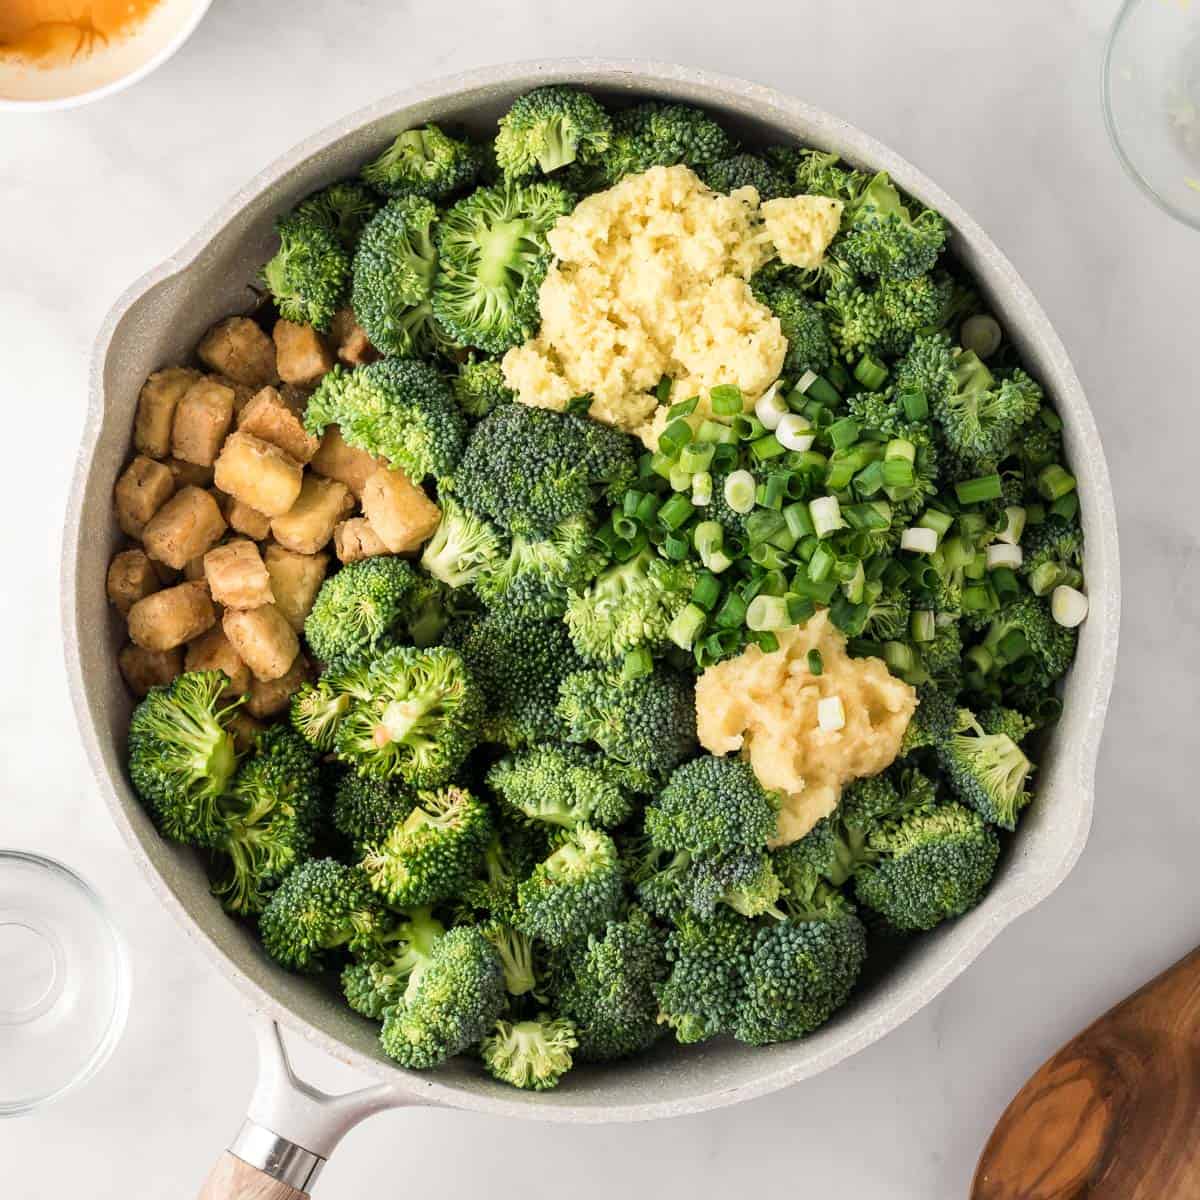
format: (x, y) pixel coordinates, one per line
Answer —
(234, 508)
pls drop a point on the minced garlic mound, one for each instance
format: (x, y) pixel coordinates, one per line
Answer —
(801, 227)
(650, 280)
(765, 705)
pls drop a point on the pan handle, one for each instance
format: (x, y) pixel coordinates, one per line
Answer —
(291, 1128)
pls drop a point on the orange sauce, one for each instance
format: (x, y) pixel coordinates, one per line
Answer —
(53, 31)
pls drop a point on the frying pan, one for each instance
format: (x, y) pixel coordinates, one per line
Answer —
(291, 1129)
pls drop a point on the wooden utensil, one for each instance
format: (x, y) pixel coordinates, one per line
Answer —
(1115, 1114)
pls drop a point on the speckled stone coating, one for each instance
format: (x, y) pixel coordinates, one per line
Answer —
(158, 321)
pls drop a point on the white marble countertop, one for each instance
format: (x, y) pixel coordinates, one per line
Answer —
(999, 104)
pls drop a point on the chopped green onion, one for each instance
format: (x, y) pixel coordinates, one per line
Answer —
(673, 439)
(1005, 583)
(923, 625)
(767, 447)
(897, 473)
(765, 640)
(798, 520)
(772, 492)
(820, 566)
(740, 491)
(816, 665)
(624, 527)
(795, 432)
(675, 512)
(647, 508)
(982, 334)
(662, 393)
(871, 373)
(706, 591)
(661, 464)
(1045, 577)
(826, 515)
(714, 432)
(980, 659)
(697, 457)
(919, 540)
(915, 404)
(844, 433)
(799, 608)
(935, 519)
(701, 489)
(1053, 481)
(1066, 506)
(975, 491)
(900, 658)
(770, 406)
(854, 587)
(687, 626)
(978, 598)
(767, 612)
(823, 392)
(870, 479)
(762, 523)
(748, 428)
(732, 612)
(684, 408)
(675, 546)
(1068, 607)
(1003, 554)
(680, 479)
(637, 662)
(1014, 525)
(806, 381)
(977, 567)
(726, 399)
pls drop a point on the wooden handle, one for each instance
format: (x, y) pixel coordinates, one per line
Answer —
(232, 1179)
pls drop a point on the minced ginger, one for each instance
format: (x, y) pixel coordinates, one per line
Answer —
(765, 705)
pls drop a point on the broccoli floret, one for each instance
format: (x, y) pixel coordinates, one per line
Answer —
(658, 134)
(433, 851)
(268, 819)
(478, 386)
(317, 709)
(394, 268)
(575, 891)
(670, 883)
(398, 409)
(321, 905)
(711, 805)
(608, 988)
(516, 957)
(809, 345)
(648, 723)
(366, 810)
(1025, 632)
(182, 754)
(518, 663)
(391, 975)
(463, 544)
(538, 576)
(887, 616)
(630, 604)
(885, 318)
(428, 608)
(353, 612)
(308, 274)
(492, 259)
(530, 469)
(933, 722)
(882, 235)
(986, 771)
(563, 786)
(927, 367)
(343, 208)
(746, 170)
(491, 896)
(928, 867)
(1052, 551)
(424, 162)
(550, 128)
(822, 173)
(980, 418)
(998, 719)
(458, 998)
(532, 1054)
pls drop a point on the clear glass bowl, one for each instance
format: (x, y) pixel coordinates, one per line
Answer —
(1151, 92)
(64, 982)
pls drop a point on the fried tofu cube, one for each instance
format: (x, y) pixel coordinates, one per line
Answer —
(308, 525)
(188, 474)
(193, 569)
(295, 580)
(186, 527)
(144, 669)
(239, 349)
(301, 354)
(131, 577)
(258, 474)
(353, 346)
(213, 651)
(337, 460)
(156, 409)
(236, 575)
(355, 539)
(263, 638)
(269, 416)
(242, 393)
(244, 519)
(144, 487)
(202, 419)
(400, 513)
(171, 617)
(270, 697)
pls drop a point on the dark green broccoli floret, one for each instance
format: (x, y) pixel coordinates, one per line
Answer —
(428, 608)
(564, 786)
(1052, 554)
(885, 318)
(746, 170)
(398, 409)
(574, 892)
(308, 274)
(317, 709)
(268, 819)
(491, 896)
(822, 173)
(550, 128)
(743, 879)
(421, 721)
(998, 719)
(608, 988)
(630, 604)
(393, 275)
(182, 755)
(934, 721)
(321, 905)
(883, 235)
(982, 415)
(1024, 634)
(424, 162)
(809, 345)
(456, 1001)
(463, 544)
(492, 259)
(518, 663)
(888, 615)
(658, 134)
(431, 853)
(366, 810)
(532, 1054)
(530, 469)
(353, 612)
(391, 973)
(648, 723)
(343, 208)
(516, 950)
(986, 771)
(478, 386)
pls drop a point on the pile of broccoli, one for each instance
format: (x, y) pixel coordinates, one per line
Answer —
(489, 815)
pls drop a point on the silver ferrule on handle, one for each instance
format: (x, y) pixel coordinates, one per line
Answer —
(275, 1156)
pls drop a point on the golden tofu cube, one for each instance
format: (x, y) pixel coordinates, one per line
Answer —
(188, 474)
(213, 651)
(400, 513)
(193, 569)
(144, 669)
(295, 580)
(244, 519)
(236, 575)
(268, 698)
(141, 491)
(301, 355)
(270, 417)
(258, 474)
(171, 617)
(202, 419)
(353, 346)
(308, 525)
(355, 539)
(263, 638)
(239, 349)
(186, 527)
(337, 460)
(156, 409)
(131, 577)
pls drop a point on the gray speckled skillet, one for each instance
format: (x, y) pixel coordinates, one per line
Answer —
(159, 319)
